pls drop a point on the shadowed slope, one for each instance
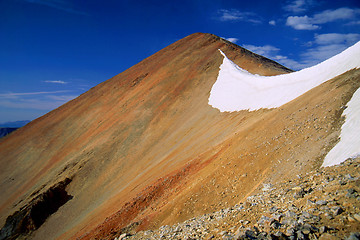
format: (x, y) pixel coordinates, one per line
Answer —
(146, 147)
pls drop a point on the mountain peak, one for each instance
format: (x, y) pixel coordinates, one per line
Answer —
(144, 148)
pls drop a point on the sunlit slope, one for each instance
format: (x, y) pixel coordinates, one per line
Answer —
(123, 135)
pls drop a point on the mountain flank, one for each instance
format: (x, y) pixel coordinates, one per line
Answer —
(144, 149)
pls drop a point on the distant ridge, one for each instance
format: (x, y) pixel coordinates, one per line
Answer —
(15, 124)
(5, 131)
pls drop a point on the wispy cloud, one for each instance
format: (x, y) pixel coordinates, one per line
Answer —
(31, 104)
(337, 38)
(35, 100)
(272, 22)
(266, 51)
(11, 94)
(55, 81)
(314, 22)
(327, 45)
(295, 6)
(236, 15)
(62, 98)
(61, 5)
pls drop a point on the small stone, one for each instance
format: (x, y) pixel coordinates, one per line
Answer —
(354, 236)
(275, 224)
(290, 231)
(223, 233)
(300, 235)
(321, 202)
(327, 236)
(276, 216)
(328, 216)
(309, 202)
(356, 217)
(349, 177)
(323, 229)
(299, 193)
(250, 234)
(291, 214)
(273, 209)
(280, 235)
(124, 235)
(337, 210)
(351, 193)
(305, 231)
(267, 187)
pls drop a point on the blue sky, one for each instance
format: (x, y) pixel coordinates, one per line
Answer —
(53, 50)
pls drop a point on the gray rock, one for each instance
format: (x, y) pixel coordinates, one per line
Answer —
(273, 209)
(348, 177)
(351, 193)
(300, 235)
(291, 214)
(354, 236)
(356, 216)
(321, 202)
(337, 210)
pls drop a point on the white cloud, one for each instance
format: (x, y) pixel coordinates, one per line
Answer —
(231, 39)
(327, 46)
(236, 15)
(296, 6)
(337, 38)
(272, 22)
(313, 23)
(55, 81)
(301, 23)
(337, 14)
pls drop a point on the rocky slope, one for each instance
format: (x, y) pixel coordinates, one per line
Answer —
(322, 204)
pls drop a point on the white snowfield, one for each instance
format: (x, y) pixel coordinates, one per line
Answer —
(349, 144)
(236, 89)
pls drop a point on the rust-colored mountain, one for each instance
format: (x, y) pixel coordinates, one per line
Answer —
(144, 148)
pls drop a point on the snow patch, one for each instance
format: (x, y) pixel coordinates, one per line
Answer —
(236, 89)
(349, 144)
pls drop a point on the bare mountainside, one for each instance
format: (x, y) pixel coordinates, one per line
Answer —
(144, 148)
